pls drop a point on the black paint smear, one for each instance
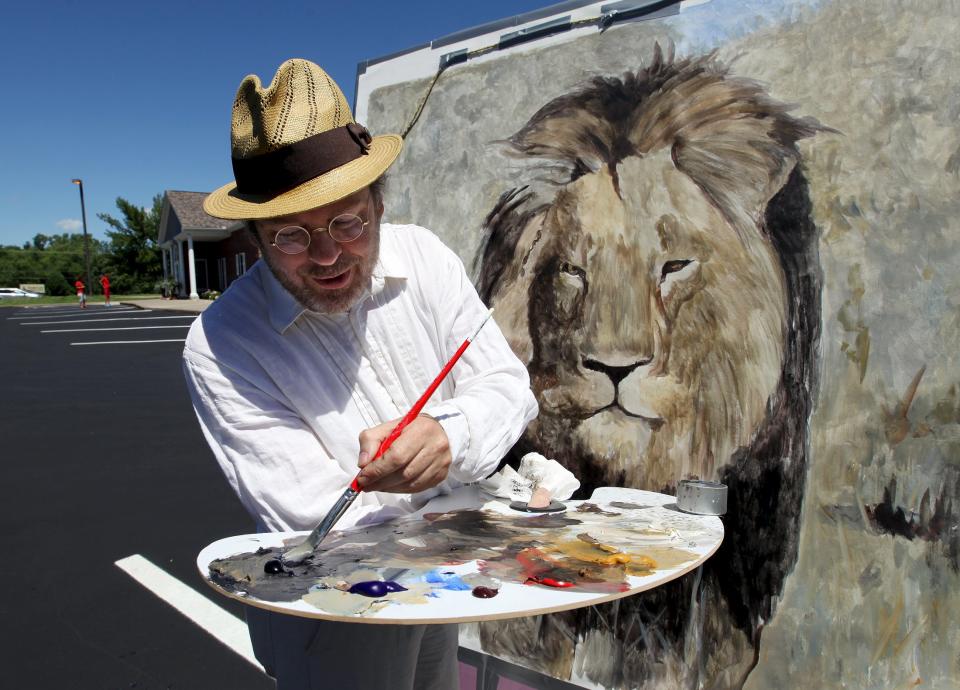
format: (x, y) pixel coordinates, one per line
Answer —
(491, 528)
(885, 518)
(594, 508)
(628, 506)
(941, 524)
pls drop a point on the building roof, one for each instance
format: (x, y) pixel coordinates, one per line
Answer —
(188, 206)
(183, 212)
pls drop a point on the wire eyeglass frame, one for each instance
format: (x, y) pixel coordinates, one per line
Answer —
(355, 226)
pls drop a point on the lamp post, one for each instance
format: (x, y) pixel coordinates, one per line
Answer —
(86, 240)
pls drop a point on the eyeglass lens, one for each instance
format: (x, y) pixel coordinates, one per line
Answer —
(294, 239)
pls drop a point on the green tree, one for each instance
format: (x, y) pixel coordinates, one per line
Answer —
(133, 257)
(54, 260)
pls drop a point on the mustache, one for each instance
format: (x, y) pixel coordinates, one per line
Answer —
(328, 271)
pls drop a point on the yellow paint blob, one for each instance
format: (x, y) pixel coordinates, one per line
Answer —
(601, 554)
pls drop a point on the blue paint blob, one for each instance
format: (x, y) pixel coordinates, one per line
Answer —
(447, 580)
(376, 588)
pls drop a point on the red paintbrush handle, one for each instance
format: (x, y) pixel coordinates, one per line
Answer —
(415, 410)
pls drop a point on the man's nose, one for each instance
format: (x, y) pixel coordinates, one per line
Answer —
(323, 249)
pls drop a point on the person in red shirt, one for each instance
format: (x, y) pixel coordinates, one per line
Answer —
(81, 293)
(105, 284)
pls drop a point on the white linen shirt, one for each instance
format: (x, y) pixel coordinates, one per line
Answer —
(282, 392)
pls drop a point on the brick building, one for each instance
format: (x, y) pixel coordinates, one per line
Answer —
(200, 252)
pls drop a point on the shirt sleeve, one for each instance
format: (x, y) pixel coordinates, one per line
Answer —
(492, 402)
(272, 459)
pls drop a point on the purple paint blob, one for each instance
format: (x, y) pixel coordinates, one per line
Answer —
(376, 588)
(485, 592)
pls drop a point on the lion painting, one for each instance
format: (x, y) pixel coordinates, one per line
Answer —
(659, 277)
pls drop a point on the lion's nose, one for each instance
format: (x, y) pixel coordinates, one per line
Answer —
(616, 372)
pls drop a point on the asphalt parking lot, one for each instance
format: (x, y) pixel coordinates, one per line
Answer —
(109, 492)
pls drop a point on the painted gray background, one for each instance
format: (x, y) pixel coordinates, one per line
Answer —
(863, 607)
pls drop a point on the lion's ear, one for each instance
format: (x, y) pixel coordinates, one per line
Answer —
(741, 166)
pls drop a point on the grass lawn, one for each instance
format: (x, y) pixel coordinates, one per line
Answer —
(68, 299)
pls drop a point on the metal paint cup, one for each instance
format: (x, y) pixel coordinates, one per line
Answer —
(701, 497)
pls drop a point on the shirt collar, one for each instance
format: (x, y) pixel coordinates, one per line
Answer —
(389, 267)
(283, 308)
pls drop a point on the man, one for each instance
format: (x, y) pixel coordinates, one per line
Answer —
(308, 361)
(105, 284)
(81, 293)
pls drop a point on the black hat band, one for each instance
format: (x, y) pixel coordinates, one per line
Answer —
(283, 169)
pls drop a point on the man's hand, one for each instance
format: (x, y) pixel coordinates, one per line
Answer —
(418, 459)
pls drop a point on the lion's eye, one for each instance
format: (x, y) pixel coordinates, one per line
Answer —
(584, 166)
(579, 170)
(570, 269)
(674, 266)
(675, 273)
(567, 288)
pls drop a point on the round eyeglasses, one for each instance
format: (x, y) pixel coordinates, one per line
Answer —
(344, 228)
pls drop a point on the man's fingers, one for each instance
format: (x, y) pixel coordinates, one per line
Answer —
(424, 471)
(418, 459)
(397, 483)
(407, 477)
(364, 459)
(374, 471)
(370, 440)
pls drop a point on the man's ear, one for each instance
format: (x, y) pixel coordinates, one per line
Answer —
(378, 209)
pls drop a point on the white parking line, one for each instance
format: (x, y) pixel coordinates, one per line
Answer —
(74, 313)
(222, 625)
(118, 328)
(60, 308)
(70, 309)
(131, 342)
(117, 318)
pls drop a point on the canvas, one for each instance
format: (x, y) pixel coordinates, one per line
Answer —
(724, 243)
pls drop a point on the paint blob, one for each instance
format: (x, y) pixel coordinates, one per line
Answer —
(273, 567)
(446, 580)
(485, 592)
(376, 588)
(550, 582)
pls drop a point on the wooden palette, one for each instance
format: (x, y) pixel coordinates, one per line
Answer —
(619, 543)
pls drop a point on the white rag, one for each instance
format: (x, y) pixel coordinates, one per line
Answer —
(536, 472)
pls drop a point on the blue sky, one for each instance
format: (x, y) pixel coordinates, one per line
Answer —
(134, 97)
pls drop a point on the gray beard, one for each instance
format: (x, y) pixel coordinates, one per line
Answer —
(328, 301)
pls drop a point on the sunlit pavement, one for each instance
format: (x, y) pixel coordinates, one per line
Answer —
(191, 305)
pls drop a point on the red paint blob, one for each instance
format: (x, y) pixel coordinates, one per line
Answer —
(485, 592)
(549, 582)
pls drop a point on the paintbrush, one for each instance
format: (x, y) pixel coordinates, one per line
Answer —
(300, 552)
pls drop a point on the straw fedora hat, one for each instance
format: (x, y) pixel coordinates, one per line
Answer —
(295, 146)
